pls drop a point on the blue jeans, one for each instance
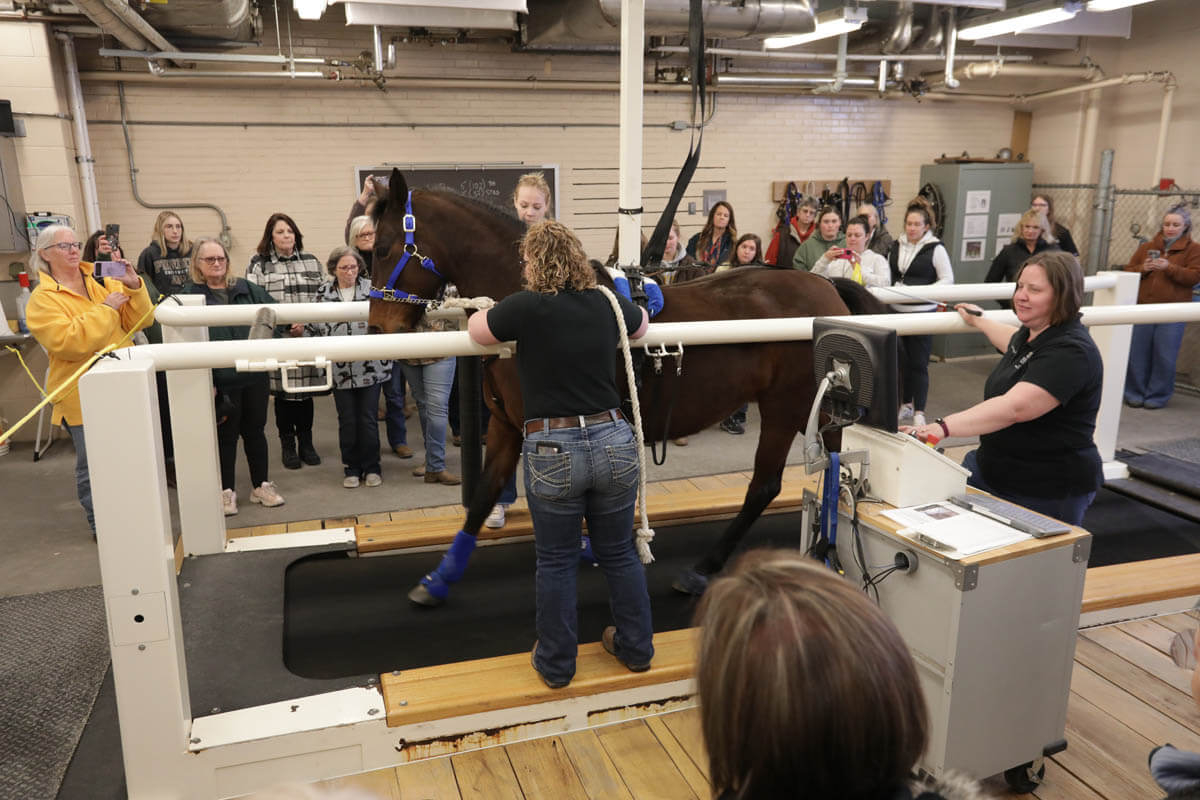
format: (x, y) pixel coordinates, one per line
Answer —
(1150, 378)
(393, 394)
(1069, 508)
(358, 429)
(430, 386)
(83, 481)
(572, 474)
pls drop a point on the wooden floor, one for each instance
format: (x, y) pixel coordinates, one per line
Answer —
(1127, 696)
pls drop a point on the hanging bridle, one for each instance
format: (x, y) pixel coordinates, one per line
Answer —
(389, 292)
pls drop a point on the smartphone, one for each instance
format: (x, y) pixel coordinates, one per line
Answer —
(112, 233)
(849, 254)
(110, 269)
(1152, 254)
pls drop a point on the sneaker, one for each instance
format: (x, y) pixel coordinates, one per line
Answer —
(403, 450)
(373, 479)
(448, 478)
(350, 482)
(731, 426)
(229, 502)
(496, 518)
(906, 412)
(918, 419)
(456, 440)
(609, 640)
(267, 495)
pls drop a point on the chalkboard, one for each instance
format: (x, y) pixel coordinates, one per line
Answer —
(491, 184)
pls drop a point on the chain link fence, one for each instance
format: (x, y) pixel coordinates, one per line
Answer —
(1137, 217)
(1074, 205)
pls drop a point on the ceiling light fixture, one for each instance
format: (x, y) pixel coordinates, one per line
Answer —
(835, 23)
(1036, 15)
(1113, 5)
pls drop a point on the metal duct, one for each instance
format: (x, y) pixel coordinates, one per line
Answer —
(775, 79)
(902, 30)
(108, 21)
(234, 20)
(589, 21)
(932, 33)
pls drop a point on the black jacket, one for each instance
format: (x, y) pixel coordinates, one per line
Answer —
(242, 293)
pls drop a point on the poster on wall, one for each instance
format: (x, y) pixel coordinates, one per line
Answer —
(972, 249)
(1006, 224)
(1002, 243)
(975, 226)
(979, 201)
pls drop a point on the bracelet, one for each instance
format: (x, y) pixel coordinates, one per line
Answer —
(945, 428)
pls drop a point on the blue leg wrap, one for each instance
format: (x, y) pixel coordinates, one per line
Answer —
(452, 566)
(586, 556)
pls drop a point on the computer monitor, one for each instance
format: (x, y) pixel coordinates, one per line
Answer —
(865, 359)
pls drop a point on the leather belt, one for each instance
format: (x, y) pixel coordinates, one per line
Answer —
(551, 423)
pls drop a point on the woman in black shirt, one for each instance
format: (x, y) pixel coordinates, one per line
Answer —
(581, 458)
(1037, 420)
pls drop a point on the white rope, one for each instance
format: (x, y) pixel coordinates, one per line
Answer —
(645, 534)
(480, 303)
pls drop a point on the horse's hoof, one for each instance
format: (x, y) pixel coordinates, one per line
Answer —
(422, 597)
(690, 582)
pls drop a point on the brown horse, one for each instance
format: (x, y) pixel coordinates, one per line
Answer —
(476, 248)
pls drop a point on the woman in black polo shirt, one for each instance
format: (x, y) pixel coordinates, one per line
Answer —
(1036, 422)
(581, 459)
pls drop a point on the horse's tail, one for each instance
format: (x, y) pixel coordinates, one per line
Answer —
(860, 301)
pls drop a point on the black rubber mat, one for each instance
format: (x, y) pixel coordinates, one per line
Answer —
(1174, 473)
(351, 616)
(1125, 530)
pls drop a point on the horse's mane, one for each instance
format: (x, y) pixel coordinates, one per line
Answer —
(498, 215)
(858, 298)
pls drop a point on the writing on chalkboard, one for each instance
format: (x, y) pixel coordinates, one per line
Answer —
(492, 185)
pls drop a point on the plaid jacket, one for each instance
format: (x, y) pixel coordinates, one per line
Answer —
(295, 279)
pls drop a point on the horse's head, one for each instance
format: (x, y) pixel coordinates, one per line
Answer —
(411, 282)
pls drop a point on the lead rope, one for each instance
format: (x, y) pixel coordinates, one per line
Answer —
(645, 534)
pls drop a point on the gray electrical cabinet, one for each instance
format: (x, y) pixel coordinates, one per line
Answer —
(983, 203)
(12, 203)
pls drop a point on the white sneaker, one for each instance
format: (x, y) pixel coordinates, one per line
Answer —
(228, 502)
(267, 495)
(373, 479)
(906, 412)
(496, 518)
(350, 482)
(918, 419)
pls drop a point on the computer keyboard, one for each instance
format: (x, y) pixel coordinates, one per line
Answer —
(1011, 514)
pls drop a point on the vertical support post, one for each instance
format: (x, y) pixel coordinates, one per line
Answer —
(1098, 246)
(83, 143)
(629, 225)
(470, 395)
(137, 567)
(1091, 126)
(1113, 342)
(194, 428)
(1164, 124)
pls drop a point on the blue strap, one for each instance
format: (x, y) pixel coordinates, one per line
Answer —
(410, 249)
(829, 504)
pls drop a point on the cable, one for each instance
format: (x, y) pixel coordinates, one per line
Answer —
(18, 224)
(25, 366)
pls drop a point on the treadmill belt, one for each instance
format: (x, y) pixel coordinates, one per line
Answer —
(1125, 530)
(1164, 470)
(351, 616)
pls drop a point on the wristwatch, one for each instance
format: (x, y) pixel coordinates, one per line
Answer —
(945, 428)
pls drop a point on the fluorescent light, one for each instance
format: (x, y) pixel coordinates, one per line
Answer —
(309, 9)
(1112, 5)
(848, 20)
(1036, 17)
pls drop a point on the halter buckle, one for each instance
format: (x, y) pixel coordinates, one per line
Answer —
(410, 223)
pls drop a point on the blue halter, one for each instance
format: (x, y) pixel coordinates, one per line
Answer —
(389, 291)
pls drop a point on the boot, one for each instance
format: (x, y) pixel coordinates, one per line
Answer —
(287, 446)
(307, 453)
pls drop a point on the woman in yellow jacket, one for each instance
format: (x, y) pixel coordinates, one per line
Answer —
(73, 315)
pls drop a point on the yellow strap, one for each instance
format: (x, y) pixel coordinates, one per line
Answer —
(857, 274)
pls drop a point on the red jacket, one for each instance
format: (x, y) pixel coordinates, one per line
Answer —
(1173, 284)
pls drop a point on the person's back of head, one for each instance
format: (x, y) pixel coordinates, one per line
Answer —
(806, 688)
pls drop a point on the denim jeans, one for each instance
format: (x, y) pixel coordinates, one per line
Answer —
(358, 429)
(1150, 378)
(393, 395)
(1068, 508)
(572, 474)
(430, 386)
(83, 480)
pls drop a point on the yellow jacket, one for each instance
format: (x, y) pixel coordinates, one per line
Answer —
(72, 328)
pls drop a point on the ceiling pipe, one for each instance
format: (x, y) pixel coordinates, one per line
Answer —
(932, 36)
(134, 21)
(827, 83)
(951, 28)
(178, 55)
(83, 143)
(778, 55)
(107, 20)
(1002, 68)
(1119, 80)
(901, 34)
(1160, 151)
(839, 73)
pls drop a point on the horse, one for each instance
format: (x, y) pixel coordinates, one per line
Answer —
(448, 238)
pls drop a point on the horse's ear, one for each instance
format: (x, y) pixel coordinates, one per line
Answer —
(397, 188)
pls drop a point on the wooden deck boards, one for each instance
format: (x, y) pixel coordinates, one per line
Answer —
(1127, 696)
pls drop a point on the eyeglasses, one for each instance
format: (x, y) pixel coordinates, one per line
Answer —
(212, 261)
(66, 247)
(350, 268)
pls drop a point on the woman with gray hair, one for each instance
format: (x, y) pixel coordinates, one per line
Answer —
(73, 315)
(1170, 266)
(356, 384)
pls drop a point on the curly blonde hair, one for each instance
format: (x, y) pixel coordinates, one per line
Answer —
(554, 260)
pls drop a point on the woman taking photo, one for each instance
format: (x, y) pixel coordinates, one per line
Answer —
(1031, 237)
(918, 258)
(1059, 234)
(714, 243)
(241, 396)
(356, 384)
(290, 275)
(73, 315)
(1036, 421)
(1170, 266)
(827, 241)
(856, 261)
(581, 460)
